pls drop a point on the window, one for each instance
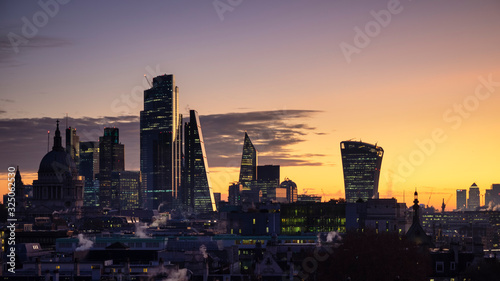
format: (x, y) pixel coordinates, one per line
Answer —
(439, 267)
(452, 266)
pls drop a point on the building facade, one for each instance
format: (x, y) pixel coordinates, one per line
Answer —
(461, 199)
(111, 159)
(128, 185)
(196, 187)
(160, 142)
(474, 198)
(89, 168)
(361, 163)
(249, 158)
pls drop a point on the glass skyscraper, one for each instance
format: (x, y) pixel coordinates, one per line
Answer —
(89, 167)
(111, 159)
(197, 189)
(248, 170)
(160, 144)
(361, 163)
(461, 199)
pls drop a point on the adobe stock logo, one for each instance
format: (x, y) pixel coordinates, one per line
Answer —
(454, 116)
(372, 29)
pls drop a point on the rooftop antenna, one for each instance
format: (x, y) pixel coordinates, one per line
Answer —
(149, 82)
(66, 120)
(48, 140)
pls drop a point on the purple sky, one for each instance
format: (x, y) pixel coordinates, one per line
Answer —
(279, 57)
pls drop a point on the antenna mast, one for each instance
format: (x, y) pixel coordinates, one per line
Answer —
(48, 140)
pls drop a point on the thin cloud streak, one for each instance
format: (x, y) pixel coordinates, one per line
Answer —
(273, 133)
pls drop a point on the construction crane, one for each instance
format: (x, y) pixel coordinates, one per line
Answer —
(428, 201)
(149, 82)
(443, 206)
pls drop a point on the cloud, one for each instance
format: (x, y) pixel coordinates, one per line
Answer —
(6, 100)
(24, 140)
(2, 111)
(8, 55)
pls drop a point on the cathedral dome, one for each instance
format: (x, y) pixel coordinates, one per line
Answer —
(57, 161)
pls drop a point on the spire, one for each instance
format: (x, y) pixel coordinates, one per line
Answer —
(18, 175)
(415, 207)
(57, 139)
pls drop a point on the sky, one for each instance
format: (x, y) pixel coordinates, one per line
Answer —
(419, 78)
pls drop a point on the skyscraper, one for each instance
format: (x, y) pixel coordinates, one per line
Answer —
(111, 159)
(461, 199)
(268, 179)
(73, 145)
(89, 168)
(127, 184)
(160, 144)
(248, 170)
(197, 189)
(361, 163)
(473, 201)
(291, 190)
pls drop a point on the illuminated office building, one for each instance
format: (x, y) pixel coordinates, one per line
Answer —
(196, 188)
(160, 142)
(461, 199)
(361, 163)
(248, 170)
(89, 168)
(111, 159)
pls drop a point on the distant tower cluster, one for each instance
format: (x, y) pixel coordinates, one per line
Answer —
(361, 163)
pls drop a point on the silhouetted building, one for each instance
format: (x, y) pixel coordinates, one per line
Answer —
(381, 215)
(261, 220)
(234, 197)
(217, 198)
(161, 144)
(73, 145)
(416, 233)
(58, 188)
(127, 185)
(492, 196)
(308, 198)
(361, 163)
(111, 159)
(268, 178)
(473, 201)
(89, 168)
(461, 199)
(197, 189)
(291, 190)
(20, 196)
(249, 158)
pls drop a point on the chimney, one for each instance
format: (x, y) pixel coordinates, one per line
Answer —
(38, 267)
(77, 266)
(56, 275)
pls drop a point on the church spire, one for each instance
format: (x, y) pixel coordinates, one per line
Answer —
(57, 139)
(415, 207)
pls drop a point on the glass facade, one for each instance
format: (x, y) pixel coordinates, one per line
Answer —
(248, 170)
(361, 163)
(127, 184)
(111, 159)
(160, 126)
(197, 189)
(89, 167)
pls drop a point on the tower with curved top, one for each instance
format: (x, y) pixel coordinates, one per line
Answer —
(361, 163)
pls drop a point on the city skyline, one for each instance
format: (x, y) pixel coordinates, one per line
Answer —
(428, 95)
